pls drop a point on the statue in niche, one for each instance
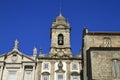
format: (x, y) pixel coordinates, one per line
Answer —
(60, 68)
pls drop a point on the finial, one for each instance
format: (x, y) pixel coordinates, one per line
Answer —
(34, 51)
(41, 55)
(16, 45)
(60, 10)
(40, 50)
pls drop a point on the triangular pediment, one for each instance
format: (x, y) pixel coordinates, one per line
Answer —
(15, 57)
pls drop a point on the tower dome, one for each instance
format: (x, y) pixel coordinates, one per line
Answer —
(60, 18)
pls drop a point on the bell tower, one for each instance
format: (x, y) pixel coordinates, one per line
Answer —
(60, 38)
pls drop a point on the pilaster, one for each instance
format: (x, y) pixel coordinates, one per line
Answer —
(33, 73)
(23, 68)
(39, 70)
(52, 70)
(68, 70)
(1, 72)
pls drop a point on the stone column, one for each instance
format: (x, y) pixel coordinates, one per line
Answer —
(1, 72)
(23, 69)
(33, 76)
(80, 69)
(5, 73)
(52, 70)
(68, 70)
(39, 70)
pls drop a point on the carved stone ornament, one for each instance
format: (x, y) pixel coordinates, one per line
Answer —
(60, 53)
(14, 57)
(106, 42)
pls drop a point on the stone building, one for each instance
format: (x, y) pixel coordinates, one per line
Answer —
(101, 55)
(14, 65)
(99, 60)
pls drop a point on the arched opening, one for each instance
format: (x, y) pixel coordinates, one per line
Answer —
(60, 39)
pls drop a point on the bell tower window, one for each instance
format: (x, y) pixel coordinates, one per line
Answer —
(60, 39)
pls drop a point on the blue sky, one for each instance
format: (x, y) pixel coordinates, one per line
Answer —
(29, 21)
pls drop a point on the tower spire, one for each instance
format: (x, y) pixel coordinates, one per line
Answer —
(60, 14)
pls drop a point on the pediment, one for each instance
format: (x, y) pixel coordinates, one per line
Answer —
(15, 57)
(75, 73)
(45, 73)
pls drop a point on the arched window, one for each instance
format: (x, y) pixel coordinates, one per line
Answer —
(60, 39)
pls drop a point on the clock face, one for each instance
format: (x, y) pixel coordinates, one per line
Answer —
(14, 57)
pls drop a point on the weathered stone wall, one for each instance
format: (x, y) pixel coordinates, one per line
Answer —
(97, 40)
(101, 63)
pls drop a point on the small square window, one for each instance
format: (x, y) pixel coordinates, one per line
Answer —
(28, 75)
(75, 78)
(46, 77)
(46, 66)
(74, 66)
(60, 76)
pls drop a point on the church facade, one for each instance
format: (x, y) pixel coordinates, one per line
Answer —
(59, 64)
(99, 60)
